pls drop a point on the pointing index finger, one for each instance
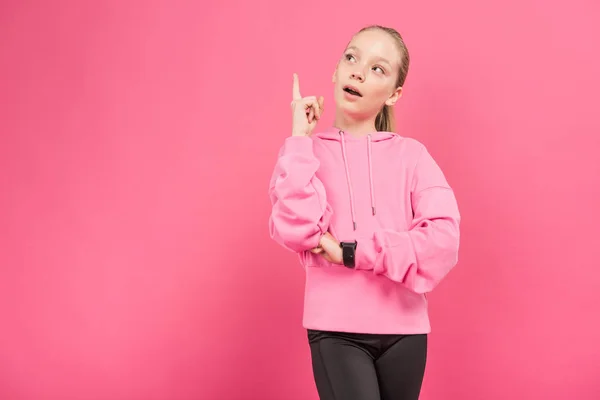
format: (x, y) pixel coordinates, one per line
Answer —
(296, 89)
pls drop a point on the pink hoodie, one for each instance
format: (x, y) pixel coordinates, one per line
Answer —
(388, 193)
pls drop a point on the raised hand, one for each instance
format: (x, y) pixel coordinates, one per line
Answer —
(306, 111)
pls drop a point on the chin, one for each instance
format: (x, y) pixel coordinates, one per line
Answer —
(352, 109)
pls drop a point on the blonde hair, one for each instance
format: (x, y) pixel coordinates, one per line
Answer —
(385, 120)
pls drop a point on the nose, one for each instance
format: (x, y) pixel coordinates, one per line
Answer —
(358, 75)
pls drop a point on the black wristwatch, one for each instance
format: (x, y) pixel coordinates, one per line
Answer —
(349, 253)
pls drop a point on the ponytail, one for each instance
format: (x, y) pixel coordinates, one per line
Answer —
(384, 122)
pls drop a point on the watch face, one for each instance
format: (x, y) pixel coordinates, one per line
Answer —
(348, 249)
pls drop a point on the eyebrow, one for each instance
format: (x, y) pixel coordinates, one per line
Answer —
(378, 58)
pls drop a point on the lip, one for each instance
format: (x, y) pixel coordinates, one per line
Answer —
(353, 88)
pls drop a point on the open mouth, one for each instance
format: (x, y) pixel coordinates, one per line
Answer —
(352, 91)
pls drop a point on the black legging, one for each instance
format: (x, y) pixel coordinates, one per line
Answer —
(350, 366)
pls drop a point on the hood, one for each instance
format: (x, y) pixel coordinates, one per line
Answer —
(342, 137)
(334, 133)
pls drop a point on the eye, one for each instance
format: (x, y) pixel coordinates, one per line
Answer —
(350, 57)
(381, 70)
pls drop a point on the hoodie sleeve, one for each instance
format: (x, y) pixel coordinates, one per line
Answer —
(422, 256)
(300, 214)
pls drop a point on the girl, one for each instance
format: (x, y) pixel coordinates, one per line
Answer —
(374, 222)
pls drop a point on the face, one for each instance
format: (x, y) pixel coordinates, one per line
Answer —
(365, 78)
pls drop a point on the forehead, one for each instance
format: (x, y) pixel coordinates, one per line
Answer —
(377, 44)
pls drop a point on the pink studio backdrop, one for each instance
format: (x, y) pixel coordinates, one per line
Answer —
(137, 141)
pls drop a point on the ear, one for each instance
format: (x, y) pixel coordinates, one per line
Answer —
(394, 97)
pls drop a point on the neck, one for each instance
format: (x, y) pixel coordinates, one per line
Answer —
(352, 126)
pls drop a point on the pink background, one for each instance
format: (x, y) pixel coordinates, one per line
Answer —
(137, 140)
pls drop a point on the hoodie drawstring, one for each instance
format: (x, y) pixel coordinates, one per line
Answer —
(350, 191)
(371, 174)
(348, 180)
